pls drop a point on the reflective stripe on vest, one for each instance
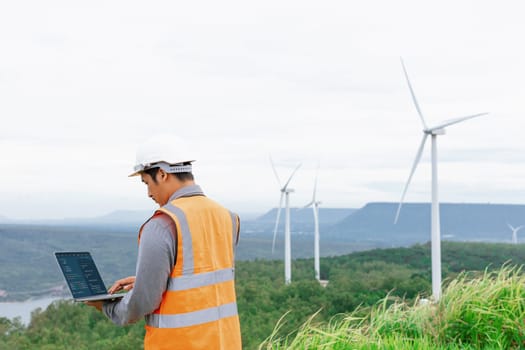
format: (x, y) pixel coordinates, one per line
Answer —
(192, 318)
(200, 280)
(235, 233)
(187, 245)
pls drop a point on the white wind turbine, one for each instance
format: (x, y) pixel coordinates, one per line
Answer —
(515, 232)
(285, 193)
(433, 131)
(315, 206)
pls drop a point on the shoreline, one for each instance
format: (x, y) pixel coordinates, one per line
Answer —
(23, 309)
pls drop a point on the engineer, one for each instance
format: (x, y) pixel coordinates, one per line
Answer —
(184, 283)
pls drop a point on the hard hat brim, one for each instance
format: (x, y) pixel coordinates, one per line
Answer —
(169, 168)
(136, 173)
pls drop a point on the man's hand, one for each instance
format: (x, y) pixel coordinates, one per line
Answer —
(122, 284)
(96, 304)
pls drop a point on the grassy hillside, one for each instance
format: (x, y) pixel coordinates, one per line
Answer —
(476, 311)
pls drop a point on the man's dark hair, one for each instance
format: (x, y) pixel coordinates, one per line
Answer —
(180, 176)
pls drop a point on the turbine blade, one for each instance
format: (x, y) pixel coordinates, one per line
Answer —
(510, 226)
(309, 204)
(416, 162)
(277, 221)
(455, 121)
(290, 178)
(413, 96)
(275, 171)
(315, 183)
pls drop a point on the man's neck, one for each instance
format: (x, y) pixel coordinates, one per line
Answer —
(180, 185)
(184, 184)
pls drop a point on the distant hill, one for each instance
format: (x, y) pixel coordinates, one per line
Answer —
(123, 217)
(327, 216)
(475, 222)
(116, 218)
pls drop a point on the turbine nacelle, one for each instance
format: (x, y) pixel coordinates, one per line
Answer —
(515, 229)
(436, 132)
(515, 232)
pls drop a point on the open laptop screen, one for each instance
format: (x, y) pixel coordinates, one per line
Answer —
(81, 274)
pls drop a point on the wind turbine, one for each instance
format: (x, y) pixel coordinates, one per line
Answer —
(433, 131)
(285, 194)
(515, 232)
(315, 206)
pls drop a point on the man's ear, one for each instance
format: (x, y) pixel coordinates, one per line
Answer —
(162, 175)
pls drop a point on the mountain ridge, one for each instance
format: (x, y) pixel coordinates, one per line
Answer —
(459, 221)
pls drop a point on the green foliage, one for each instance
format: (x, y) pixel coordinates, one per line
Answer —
(486, 310)
(356, 283)
(476, 311)
(263, 297)
(68, 325)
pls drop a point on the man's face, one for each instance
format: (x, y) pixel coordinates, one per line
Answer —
(155, 189)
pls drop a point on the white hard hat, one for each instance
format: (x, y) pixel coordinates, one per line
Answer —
(165, 152)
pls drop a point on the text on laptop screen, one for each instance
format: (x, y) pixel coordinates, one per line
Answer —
(81, 274)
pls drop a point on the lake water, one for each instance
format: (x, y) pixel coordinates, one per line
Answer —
(23, 309)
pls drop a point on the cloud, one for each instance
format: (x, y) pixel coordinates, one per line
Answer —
(82, 85)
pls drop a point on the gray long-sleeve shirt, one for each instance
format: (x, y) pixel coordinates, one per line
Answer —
(156, 258)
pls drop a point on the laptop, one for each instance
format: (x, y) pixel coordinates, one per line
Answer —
(82, 277)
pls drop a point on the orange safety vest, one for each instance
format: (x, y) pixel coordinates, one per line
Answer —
(198, 309)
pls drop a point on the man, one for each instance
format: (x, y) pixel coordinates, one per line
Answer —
(184, 283)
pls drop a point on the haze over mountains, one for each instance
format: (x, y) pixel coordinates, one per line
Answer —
(119, 217)
(373, 222)
(304, 215)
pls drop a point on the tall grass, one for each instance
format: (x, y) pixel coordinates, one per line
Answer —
(478, 310)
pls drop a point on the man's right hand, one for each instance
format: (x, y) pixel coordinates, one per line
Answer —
(122, 284)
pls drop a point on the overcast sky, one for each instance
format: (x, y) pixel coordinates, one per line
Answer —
(83, 83)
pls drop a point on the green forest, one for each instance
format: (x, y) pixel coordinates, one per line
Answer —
(357, 282)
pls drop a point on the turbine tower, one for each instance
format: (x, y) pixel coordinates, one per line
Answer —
(315, 206)
(514, 232)
(285, 194)
(433, 131)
